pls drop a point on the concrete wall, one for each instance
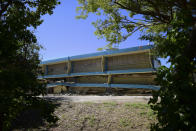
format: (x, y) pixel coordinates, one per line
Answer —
(143, 78)
(131, 61)
(91, 65)
(57, 69)
(88, 79)
(140, 78)
(119, 62)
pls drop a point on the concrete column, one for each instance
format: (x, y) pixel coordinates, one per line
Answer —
(109, 79)
(69, 68)
(46, 70)
(103, 63)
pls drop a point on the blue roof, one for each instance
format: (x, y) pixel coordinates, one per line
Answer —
(108, 52)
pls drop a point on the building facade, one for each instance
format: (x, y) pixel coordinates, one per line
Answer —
(130, 68)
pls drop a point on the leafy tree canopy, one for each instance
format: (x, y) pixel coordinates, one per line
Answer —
(19, 58)
(171, 26)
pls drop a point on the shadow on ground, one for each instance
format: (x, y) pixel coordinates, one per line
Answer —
(37, 116)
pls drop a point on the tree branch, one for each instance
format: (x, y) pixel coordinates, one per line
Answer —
(5, 7)
(161, 18)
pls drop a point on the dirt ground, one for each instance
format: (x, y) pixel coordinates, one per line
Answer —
(90, 113)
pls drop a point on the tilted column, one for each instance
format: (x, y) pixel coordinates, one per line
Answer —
(109, 79)
(69, 66)
(103, 64)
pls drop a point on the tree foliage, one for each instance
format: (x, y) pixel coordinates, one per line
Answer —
(171, 26)
(19, 58)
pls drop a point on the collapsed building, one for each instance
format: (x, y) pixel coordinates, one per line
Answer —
(121, 70)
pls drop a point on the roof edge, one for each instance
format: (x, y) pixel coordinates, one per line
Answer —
(90, 55)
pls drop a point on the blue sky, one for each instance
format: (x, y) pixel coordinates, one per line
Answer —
(61, 34)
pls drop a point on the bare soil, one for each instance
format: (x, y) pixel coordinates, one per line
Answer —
(95, 115)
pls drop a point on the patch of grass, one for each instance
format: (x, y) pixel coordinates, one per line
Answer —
(136, 105)
(140, 106)
(128, 105)
(90, 120)
(109, 109)
(151, 114)
(63, 116)
(88, 103)
(110, 103)
(143, 113)
(124, 122)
